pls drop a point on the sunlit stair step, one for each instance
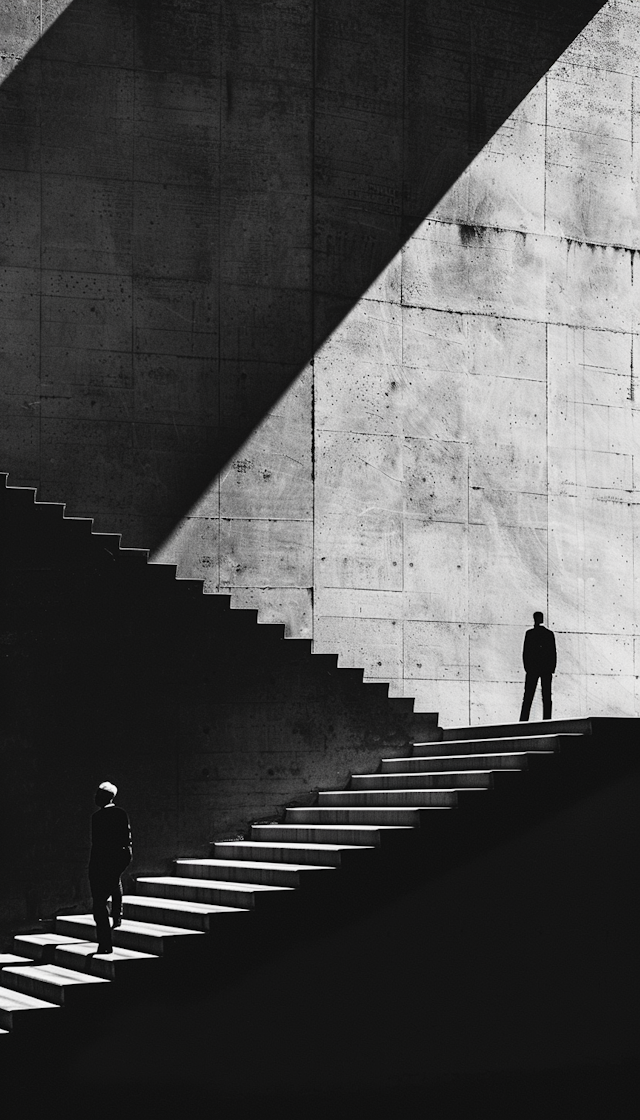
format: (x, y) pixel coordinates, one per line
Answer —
(175, 911)
(444, 779)
(41, 947)
(242, 895)
(579, 727)
(363, 834)
(50, 982)
(514, 760)
(147, 937)
(392, 798)
(16, 1006)
(250, 871)
(334, 855)
(110, 966)
(487, 746)
(371, 816)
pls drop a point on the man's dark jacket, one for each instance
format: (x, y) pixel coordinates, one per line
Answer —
(539, 652)
(110, 839)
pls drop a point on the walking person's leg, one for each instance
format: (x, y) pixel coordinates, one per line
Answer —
(116, 903)
(530, 682)
(545, 684)
(100, 890)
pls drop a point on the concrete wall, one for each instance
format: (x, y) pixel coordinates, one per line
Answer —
(475, 425)
(198, 196)
(491, 465)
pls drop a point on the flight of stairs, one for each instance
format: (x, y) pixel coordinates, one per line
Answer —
(411, 818)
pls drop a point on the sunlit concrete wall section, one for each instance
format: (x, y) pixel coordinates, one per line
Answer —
(477, 427)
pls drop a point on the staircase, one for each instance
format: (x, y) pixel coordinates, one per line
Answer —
(414, 816)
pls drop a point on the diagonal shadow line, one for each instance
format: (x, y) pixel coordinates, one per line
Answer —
(198, 194)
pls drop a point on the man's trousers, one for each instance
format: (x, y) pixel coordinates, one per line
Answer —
(530, 683)
(105, 884)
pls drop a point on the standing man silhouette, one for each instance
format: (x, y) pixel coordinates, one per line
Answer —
(539, 658)
(110, 853)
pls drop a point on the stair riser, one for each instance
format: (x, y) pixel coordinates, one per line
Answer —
(518, 730)
(144, 908)
(475, 762)
(161, 946)
(216, 896)
(32, 1023)
(398, 816)
(391, 798)
(272, 853)
(106, 969)
(41, 954)
(301, 834)
(267, 877)
(72, 995)
(420, 781)
(141, 912)
(486, 746)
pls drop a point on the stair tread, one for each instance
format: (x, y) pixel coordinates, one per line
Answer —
(129, 925)
(56, 974)
(417, 773)
(7, 959)
(48, 938)
(497, 739)
(88, 949)
(417, 792)
(181, 904)
(209, 884)
(474, 754)
(11, 1000)
(579, 726)
(336, 827)
(262, 866)
(368, 808)
(346, 828)
(293, 846)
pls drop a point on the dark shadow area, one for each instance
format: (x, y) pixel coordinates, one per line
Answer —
(590, 1091)
(505, 979)
(197, 192)
(113, 670)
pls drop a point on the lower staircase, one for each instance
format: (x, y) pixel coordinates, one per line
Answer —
(353, 847)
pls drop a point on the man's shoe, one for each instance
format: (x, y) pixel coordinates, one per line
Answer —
(115, 922)
(103, 950)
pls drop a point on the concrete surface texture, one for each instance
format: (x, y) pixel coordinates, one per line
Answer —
(333, 304)
(490, 469)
